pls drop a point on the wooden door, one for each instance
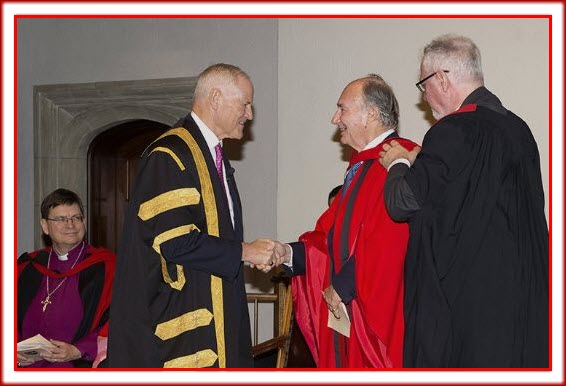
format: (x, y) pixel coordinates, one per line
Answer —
(113, 162)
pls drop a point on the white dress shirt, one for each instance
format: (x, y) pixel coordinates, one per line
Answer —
(212, 140)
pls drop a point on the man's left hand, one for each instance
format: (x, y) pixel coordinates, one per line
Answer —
(65, 352)
(332, 300)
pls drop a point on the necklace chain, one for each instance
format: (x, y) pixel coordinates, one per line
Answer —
(47, 300)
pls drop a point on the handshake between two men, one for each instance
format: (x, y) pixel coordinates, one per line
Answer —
(265, 254)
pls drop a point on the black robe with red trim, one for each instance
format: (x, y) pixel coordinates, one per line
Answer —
(96, 274)
(477, 263)
(356, 226)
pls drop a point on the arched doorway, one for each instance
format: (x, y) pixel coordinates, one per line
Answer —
(113, 159)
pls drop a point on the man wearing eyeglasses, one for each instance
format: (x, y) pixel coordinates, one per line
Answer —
(64, 289)
(476, 269)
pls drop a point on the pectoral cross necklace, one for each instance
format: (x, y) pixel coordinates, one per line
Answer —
(47, 300)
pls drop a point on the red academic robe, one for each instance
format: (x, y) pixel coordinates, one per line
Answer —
(96, 296)
(356, 224)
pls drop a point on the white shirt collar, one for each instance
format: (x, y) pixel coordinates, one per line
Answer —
(65, 256)
(380, 138)
(210, 138)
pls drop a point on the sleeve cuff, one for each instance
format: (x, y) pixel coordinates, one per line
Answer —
(290, 262)
(398, 161)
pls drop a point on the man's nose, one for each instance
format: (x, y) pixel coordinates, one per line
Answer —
(335, 118)
(249, 113)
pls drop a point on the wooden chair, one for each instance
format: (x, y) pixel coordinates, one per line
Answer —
(292, 351)
(282, 313)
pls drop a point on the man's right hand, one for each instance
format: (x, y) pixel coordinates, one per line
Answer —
(281, 254)
(259, 252)
(25, 360)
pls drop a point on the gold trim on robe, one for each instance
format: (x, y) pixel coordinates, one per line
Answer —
(200, 359)
(172, 154)
(167, 201)
(207, 192)
(186, 322)
(163, 237)
(211, 214)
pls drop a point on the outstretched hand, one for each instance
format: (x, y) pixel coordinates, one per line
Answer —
(259, 252)
(281, 254)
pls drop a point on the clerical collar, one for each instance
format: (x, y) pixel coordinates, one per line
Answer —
(65, 256)
(380, 138)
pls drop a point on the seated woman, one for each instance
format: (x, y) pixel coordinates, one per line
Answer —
(64, 289)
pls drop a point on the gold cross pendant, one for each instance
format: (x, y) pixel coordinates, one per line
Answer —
(46, 302)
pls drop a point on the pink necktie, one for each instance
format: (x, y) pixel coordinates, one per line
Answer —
(218, 149)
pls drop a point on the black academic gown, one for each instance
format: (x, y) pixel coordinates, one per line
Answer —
(476, 268)
(179, 298)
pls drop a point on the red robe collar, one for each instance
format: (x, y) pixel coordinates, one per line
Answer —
(373, 153)
(101, 255)
(93, 256)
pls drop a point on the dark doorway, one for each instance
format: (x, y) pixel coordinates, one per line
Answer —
(113, 164)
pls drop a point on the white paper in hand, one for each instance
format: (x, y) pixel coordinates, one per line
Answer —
(35, 345)
(341, 324)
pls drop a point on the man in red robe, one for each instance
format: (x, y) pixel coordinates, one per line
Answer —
(354, 257)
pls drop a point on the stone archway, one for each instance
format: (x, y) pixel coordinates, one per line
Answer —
(67, 117)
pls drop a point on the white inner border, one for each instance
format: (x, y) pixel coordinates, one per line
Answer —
(248, 377)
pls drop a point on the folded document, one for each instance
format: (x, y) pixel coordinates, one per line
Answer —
(342, 324)
(35, 345)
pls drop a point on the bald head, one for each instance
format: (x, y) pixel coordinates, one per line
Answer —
(367, 108)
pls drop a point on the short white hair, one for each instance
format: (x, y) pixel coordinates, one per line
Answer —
(457, 54)
(217, 75)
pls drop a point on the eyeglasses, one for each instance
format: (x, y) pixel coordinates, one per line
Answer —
(64, 220)
(420, 83)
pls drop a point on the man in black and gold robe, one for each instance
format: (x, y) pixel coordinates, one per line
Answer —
(179, 297)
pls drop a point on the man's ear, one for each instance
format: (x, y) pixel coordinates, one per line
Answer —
(444, 81)
(44, 227)
(373, 114)
(215, 98)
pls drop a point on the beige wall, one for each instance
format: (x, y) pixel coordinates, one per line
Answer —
(299, 68)
(318, 57)
(58, 51)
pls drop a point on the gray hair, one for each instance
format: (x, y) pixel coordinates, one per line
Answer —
(379, 94)
(217, 75)
(457, 54)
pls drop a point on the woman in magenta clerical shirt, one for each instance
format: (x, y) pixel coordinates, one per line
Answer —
(64, 289)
